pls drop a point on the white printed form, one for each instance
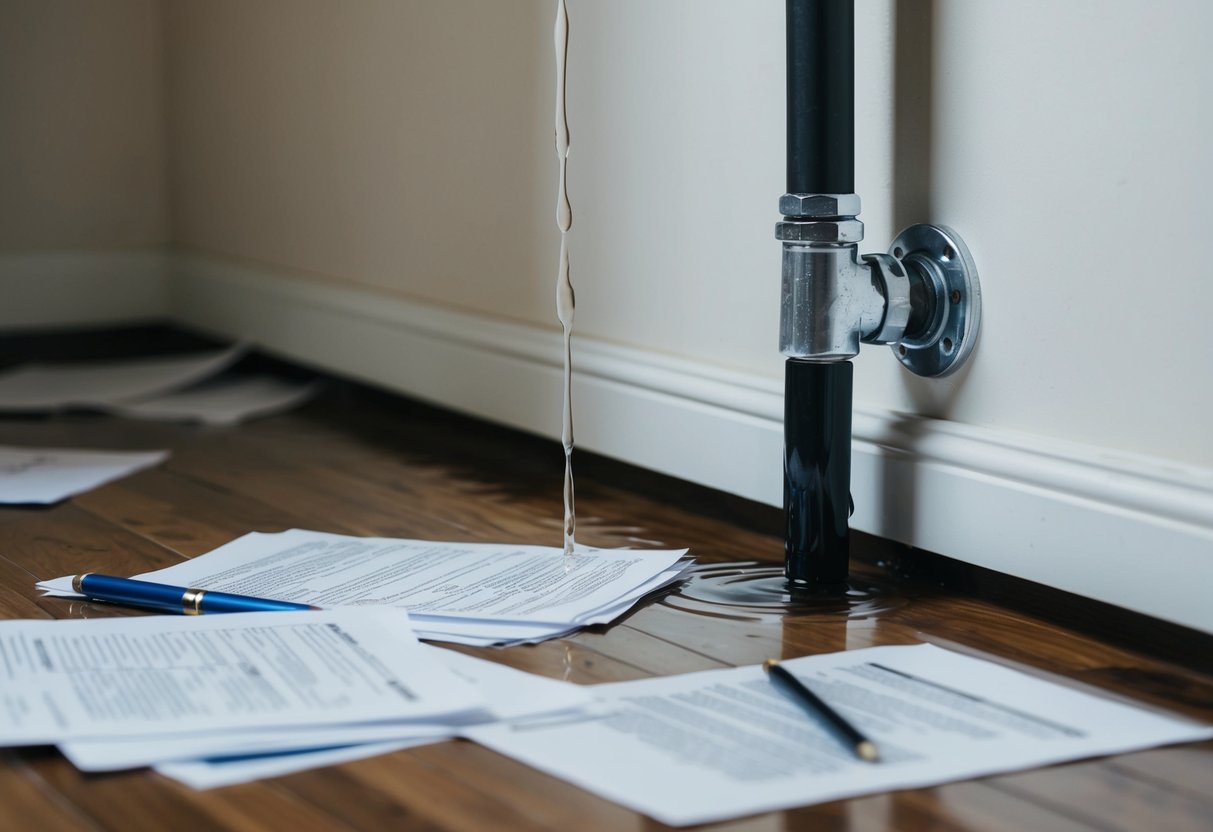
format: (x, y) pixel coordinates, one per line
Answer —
(157, 675)
(720, 744)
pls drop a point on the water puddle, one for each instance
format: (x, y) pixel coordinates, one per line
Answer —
(753, 591)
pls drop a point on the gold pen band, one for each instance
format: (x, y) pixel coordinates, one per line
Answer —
(191, 601)
(78, 582)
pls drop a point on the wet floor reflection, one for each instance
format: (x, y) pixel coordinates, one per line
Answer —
(752, 591)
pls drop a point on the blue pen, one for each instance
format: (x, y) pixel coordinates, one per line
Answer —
(174, 598)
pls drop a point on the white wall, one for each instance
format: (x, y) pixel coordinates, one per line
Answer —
(368, 187)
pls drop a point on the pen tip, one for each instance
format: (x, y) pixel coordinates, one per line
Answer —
(768, 664)
(867, 751)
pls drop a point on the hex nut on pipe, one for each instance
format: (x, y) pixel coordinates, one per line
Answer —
(819, 205)
(820, 231)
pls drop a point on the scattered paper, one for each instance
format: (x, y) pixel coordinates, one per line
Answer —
(221, 401)
(40, 387)
(155, 676)
(721, 744)
(473, 593)
(48, 475)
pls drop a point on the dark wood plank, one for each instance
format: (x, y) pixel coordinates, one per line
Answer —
(545, 800)
(1111, 798)
(186, 513)
(68, 540)
(134, 802)
(336, 792)
(454, 803)
(1187, 768)
(26, 797)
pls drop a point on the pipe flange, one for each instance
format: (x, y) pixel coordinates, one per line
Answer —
(938, 257)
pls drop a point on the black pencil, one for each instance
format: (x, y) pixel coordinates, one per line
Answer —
(863, 747)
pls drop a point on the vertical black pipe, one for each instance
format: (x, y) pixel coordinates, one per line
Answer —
(821, 96)
(817, 395)
(816, 471)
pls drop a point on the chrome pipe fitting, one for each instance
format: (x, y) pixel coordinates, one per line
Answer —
(893, 282)
(922, 298)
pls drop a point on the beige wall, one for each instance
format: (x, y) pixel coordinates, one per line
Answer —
(399, 145)
(81, 125)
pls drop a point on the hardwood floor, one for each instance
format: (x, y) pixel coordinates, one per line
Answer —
(361, 462)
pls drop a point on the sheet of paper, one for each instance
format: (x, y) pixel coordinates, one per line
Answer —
(220, 401)
(48, 475)
(161, 675)
(510, 695)
(36, 387)
(710, 746)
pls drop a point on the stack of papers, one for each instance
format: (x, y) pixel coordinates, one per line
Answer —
(202, 698)
(165, 388)
(468, 593)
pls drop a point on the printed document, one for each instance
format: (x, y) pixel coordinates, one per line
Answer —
(48, 475)
(720, 744)
(158, 675)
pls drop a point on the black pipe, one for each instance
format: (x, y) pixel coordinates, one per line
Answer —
(816, 471)
(821, 96)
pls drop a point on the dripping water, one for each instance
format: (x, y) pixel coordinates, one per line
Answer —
(565, 301)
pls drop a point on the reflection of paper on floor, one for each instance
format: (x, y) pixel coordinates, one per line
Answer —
(35, 387)
(221, 401)
(705, 747)
(47, 475)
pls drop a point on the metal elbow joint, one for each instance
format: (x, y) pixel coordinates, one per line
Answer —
(922, 297)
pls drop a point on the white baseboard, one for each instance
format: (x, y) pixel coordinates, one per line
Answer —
(53, 289)
(1132, 531)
